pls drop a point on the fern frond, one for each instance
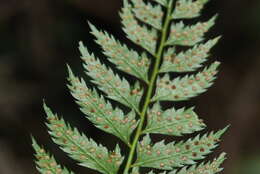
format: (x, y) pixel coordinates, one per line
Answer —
(167, 156)
(116, 88)
(209, 168)
(189, 35)
(148, 24)
(172, 122)
(181, 89)
(47, 164)
(86, 151)
(189, 60)
(140, 35)
(127, 60)
(148, 13)
(188, 9)
(100, 112)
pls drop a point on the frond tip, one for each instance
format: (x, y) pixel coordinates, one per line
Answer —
(46, 164)
(212, 167)
(80, 148)
(167, 156)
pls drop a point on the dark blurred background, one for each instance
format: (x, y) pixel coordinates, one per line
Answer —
(38, 37)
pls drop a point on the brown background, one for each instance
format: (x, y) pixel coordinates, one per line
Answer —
(38, 37)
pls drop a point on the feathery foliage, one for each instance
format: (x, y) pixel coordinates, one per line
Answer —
(46, 163)
(153, 27)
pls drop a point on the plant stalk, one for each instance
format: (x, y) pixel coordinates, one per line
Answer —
(151, 87)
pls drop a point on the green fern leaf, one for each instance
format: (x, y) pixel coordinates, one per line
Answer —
(116, 88)
(167, 156)
(209, 168)
(172, 122)
(126, 60)
(79, 147)
(100, 112)
(189, 60)
(188, 8)
(140, 35)
(148, 13)
(162, 2)
(148, 24)
(189, 35)
(181, 89)
(46, 164)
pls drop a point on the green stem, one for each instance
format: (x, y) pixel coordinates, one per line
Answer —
(151, 87)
